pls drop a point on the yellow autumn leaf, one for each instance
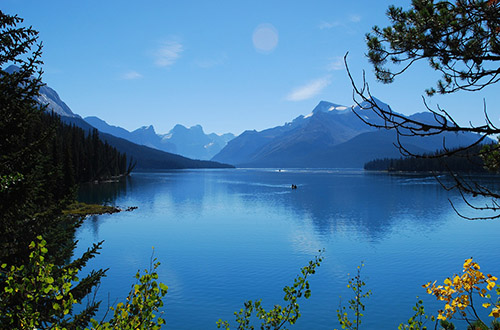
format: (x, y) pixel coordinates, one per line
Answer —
(495, 312)
(486, 305)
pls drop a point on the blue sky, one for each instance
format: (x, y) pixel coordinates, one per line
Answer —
(227, 65)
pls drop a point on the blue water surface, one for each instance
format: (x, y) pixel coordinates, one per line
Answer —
(227, 236)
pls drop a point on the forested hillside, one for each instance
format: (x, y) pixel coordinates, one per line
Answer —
(459, 160)
(82, 156)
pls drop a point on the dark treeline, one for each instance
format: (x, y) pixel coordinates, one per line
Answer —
(83, 156)
(42, 161)
(465, 161)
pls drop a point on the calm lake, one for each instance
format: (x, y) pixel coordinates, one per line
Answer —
(227, 236)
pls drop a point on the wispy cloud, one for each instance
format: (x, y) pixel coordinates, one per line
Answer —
(336, 63)
(355, 18)
(168, 53)
(131, 75)
(328, 25)
(208, 63)
(309, 90)
(332, 24)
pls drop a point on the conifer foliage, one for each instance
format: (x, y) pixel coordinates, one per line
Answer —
(40, 161)
(461, 41)
(82, 156)
(29, 204)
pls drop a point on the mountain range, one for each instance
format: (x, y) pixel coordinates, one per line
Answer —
(330, 136)
(189, 142)
(144, 156)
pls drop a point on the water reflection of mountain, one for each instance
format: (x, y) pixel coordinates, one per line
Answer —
(332, 202)
(359, 203)
(371, 205)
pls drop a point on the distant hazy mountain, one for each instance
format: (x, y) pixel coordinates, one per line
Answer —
(327, 125)
(330, 136)
(146, 158)
(102, 126)
(189, 142)
(194, 143)
(145, 135)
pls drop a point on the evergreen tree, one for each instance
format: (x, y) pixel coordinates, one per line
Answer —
(31, 198)
(461, 40)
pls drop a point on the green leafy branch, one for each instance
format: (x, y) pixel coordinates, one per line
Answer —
(279, 316)
(144, 300)
(418, 320)
(32, 295)
(355, 304)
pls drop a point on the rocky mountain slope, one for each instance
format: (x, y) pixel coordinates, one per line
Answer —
(330, 136)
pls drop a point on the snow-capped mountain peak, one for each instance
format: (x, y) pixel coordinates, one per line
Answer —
(328, 107)
(324, 106)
